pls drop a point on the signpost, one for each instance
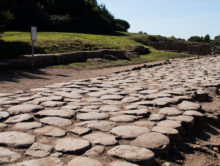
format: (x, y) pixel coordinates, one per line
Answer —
(33, 38)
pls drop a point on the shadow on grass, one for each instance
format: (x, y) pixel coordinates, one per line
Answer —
(12, 50)
(119, 34)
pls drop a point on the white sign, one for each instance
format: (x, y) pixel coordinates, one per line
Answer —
(33, 33)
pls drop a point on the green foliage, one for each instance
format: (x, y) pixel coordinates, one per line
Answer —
(207, 39)
(196, 39)
(148, 39)
(65, 15)
(60, 21)
(14, 44)
(174, 38)
(121, 25)
(141, 32)
(5, 13)
(217, 37)
(216, 41)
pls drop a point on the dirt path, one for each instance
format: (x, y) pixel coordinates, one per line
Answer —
(29, 79)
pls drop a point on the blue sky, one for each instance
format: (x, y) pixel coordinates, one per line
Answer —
(181, 18)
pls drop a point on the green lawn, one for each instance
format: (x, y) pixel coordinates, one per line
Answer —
(53, 42)
(13, 44)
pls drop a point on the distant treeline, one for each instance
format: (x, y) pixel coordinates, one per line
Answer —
(215, 42)
(59, 15)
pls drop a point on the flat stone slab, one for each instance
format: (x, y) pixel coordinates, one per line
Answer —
(19, 118)
(156, 117)
(53, 104)
(92, 116)
(50, 131)
(111, 97)
(97, 125)
(123, 118)
(80, 130)
(102, 125)
(51, 98)
(49, 161)
(148, 124)
(56, 113)
(8, 156)
(84, 161)
(2, 126)
(97, 94)
(193, 113)
(165, 130)
(132, 153)
(129, 132)
(170, 124)
(121, 163)
(141, 112)
(130, 99)
(170, 111)
(91, 108)
(39, 150)
(101, 139)
(71, 145)
(24, 108)
(3, 115)
(95, 151)
(157, 142)
(161, 102)
(188, 105)
(56, 121)
(110, 108)
(182, 118)
(112, 102)
(27, 126)
(16, 139)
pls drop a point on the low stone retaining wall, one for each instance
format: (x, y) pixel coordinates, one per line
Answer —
(191, 48)
(42, 60)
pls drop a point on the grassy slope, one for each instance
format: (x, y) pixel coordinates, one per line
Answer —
(18, 43)
(52, 42)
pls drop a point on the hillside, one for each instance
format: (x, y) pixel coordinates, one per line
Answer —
(85, 16)
(14, 44)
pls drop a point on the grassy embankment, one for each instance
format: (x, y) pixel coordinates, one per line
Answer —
(13, 44)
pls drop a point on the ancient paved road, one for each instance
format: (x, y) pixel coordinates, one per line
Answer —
(123, 119)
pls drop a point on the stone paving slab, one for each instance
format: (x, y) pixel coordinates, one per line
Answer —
(126, 118)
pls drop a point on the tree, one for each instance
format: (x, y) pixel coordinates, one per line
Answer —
(121, 25)
(196, 39)
(217, 37)
(216, 41)
(85, 16)
(207, 39)
(5, 13)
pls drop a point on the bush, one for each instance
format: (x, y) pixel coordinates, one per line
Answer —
(196, 39)
(121, 25)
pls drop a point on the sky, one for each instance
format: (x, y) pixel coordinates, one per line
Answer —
(181, 18)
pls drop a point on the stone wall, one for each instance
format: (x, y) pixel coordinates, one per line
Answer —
(178, 46)
(42, 60)
(217, 51)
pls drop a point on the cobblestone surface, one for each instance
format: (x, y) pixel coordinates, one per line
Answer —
(126, 118)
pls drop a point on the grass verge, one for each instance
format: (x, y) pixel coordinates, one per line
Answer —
(13, 44)
(155, 55)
